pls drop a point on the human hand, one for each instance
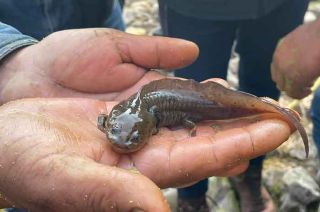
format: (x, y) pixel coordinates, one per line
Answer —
(54, 158)
(296, 61)
(94, 63)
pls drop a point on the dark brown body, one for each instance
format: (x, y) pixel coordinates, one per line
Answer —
(172, 102)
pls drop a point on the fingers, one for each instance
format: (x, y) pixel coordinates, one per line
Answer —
(277, 76)
(148, 77)
(116, 96)
(89, 55)
(210, 154)
(105, 56)
(78, 184)
(233, 171)
(156, 52)
(299, 92)
(296, 61)
(220, 81)
(292, 89)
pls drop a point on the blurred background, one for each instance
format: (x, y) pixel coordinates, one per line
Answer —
(292, 180)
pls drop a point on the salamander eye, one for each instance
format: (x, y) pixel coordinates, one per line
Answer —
(116, 129)
(135, 137)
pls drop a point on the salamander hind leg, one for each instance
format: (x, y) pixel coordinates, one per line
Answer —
(101, 123)
(216, 127)
(190, 125)
(155, 131)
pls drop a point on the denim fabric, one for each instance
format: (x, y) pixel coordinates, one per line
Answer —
(11, 39)
(224, 9)
(315, 116)
(115, 20)
(194, 191)
(15, 210)
(42, 17)
(256, 40)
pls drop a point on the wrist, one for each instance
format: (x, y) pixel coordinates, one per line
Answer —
(11, 42)
(10, 77)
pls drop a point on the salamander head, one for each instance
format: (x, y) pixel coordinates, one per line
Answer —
(129, 131)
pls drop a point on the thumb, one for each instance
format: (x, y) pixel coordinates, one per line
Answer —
(79, 184)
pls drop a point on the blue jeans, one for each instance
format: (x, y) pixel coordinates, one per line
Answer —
(315, 116)
(115, 20)
(42, 17)
(255, 42)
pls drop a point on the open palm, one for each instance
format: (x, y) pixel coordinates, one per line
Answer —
(59, 160)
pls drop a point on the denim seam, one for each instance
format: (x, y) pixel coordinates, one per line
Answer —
(15, 44)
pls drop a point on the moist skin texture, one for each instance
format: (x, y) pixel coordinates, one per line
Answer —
(174, 102)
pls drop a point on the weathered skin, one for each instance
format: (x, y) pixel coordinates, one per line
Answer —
(172, 102)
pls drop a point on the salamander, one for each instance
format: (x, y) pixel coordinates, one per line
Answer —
(172, 102)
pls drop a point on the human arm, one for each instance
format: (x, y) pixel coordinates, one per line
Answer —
(296, 61)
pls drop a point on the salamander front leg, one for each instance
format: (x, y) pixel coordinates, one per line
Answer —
(190, 125)
(101, 123)
(154, 110)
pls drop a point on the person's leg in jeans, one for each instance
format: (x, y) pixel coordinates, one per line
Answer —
(257, 40)
(215, 40)
(315, 116)
(115, 20)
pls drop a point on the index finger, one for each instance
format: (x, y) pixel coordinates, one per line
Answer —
(156, 52)
(208, 154)
(277, 76)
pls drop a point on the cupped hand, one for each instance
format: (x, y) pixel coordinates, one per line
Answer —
(296, 61)
(53, 157)
(91, 63)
